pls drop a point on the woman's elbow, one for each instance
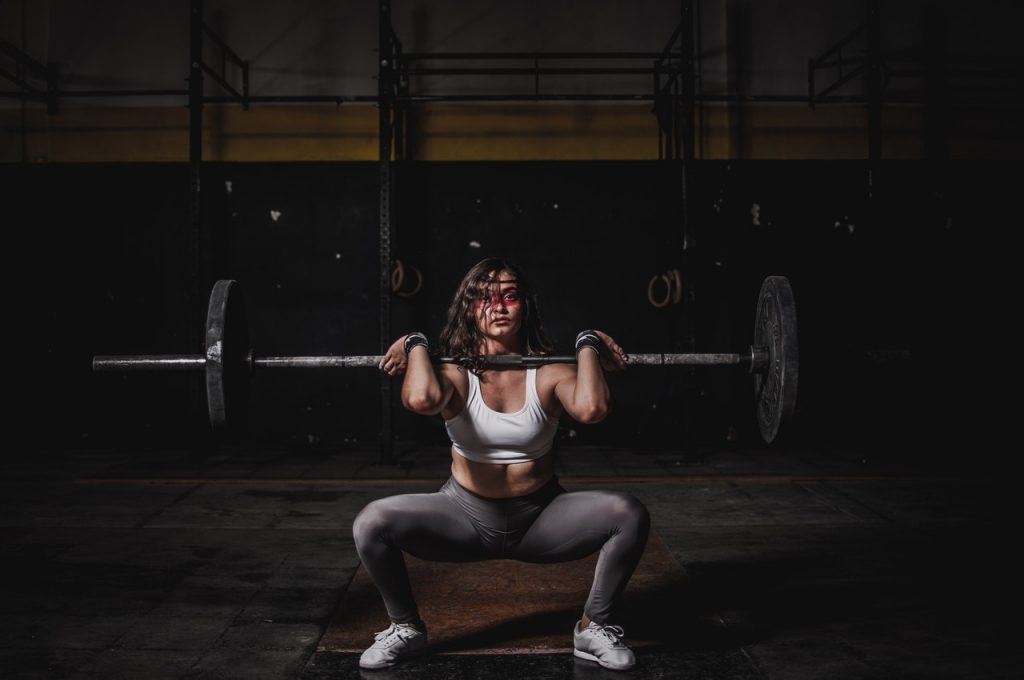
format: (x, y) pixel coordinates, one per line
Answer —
(594, 413)
(421, 404)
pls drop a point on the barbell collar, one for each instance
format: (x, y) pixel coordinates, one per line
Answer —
(760, 357)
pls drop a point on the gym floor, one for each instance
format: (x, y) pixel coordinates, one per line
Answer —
(809, 564)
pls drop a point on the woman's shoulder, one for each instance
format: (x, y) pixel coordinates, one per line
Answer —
(453, 373)
(451, 369)
(555, 373)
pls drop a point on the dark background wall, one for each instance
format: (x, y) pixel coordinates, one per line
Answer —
(911, 264)
(908, 257)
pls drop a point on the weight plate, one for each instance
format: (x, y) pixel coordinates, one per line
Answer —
(775, 328)
(228, 361)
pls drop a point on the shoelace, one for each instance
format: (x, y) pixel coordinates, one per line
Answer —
(612, 633)
(393, 629)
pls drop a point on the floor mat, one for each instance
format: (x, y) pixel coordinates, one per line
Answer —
(510, 607)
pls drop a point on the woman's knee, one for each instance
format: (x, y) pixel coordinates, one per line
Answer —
(629, 510)
(372, 521)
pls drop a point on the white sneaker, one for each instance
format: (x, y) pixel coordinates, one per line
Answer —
(399, 642)
(602, 644)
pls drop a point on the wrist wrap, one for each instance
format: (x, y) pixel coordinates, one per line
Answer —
(588, 338)
(415, 338)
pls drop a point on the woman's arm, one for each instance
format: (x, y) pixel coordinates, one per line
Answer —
(583, 391)
(425, 390)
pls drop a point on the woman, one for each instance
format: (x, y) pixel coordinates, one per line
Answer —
(503, 500)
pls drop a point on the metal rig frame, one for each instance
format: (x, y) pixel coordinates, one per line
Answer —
(675, 94)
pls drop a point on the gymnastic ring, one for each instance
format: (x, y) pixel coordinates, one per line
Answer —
(397, 272)
(650, 291)
(419, 283)
(677, 294)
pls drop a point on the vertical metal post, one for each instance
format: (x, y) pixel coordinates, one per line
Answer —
(678, 119)
(873, 31)
(687, 82)
(399, 107)
(405, 106)
(195, 98)
(657, 108)
(689, 79)
(194, 247)
(385, 132)
(399, 133)
(195, 160)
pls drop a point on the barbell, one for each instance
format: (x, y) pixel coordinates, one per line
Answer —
(772, 359)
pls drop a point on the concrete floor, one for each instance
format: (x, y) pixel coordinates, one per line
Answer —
(811, 564)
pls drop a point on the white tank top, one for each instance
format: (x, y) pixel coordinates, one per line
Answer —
(483, 435)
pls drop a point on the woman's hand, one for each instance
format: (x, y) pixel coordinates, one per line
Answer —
(395, 359)
(613, 358)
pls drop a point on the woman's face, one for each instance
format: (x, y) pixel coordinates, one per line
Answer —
(499, 309)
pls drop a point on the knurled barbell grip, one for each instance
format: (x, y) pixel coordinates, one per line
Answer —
(511, 360)
(194, 362)
(756, 358)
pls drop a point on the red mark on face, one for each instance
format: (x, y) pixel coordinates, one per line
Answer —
(510, 298)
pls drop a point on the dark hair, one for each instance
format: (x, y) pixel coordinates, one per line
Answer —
(460, 337)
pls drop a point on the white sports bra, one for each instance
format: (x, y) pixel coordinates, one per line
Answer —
(484, 435)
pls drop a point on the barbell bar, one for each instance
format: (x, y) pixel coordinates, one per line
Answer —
(756, 359)
(229, 361)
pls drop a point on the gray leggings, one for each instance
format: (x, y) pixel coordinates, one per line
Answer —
(457, 525)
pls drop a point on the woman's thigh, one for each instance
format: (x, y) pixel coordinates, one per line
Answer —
(426, 525)
(576, 524)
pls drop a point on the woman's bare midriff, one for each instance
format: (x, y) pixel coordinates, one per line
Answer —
(502, 480)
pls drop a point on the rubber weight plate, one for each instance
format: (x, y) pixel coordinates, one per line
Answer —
(228, 363)
(775, 328)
